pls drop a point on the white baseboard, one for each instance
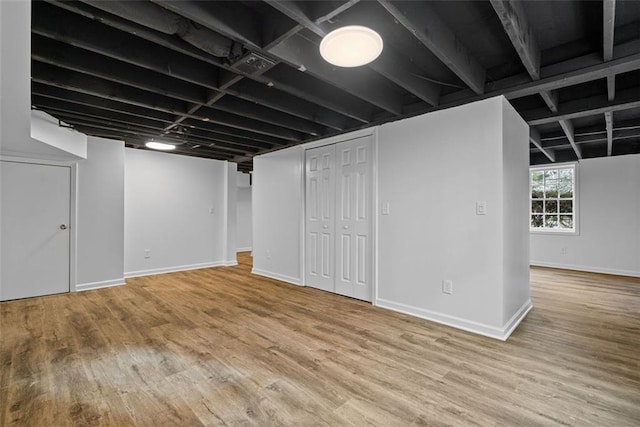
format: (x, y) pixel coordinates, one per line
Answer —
(173, 269)
(97, 285)
(231, 263)
(459, 323)
(247, 249)
(281, 277)
(586, 268)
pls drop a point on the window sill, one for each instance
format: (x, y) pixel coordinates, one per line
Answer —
(555, 233)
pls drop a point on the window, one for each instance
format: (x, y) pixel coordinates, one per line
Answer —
(553, 199)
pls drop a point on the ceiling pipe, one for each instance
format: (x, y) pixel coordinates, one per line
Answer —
(167, 22)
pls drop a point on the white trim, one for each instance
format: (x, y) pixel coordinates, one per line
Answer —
(277, 276)
(456, 322)
(517, 317)
(585, 268)
(175, 269)
(231, 263)
(247, 249)
(98, 285)
(225, 211)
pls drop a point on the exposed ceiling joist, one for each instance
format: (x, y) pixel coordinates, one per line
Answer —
(567, 127)
(421, 20)
(534, 138)
(397, 69)
(608, 28)
(608, 117)
(626, 100)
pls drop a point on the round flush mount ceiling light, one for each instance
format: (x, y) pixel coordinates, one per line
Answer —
(160, 146)
(351, 46)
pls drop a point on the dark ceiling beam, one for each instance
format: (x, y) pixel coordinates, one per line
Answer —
(133, 133)
(257, 112)
(252, 91)
(302, 54)
(47, 74)
(128, 131)
(335, 8)
(516, 25)
(567, 127)
(295, 50)
(600, 137)
(298, 84)
(625, 100)
(534, 138)
(83, 99)
(53, 23)
(234, 20)
(608, 27)
(208, 137)
(421, 20)
(608, 118)
(141, 31)
(399, 70)
(318, 97)
(222, 132)
(568, 73)
(86, 62)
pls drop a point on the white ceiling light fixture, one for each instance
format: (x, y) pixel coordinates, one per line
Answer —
(351, 46)
(160, 146)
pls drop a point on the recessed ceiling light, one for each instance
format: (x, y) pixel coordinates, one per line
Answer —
(160, 146)
(351, 46)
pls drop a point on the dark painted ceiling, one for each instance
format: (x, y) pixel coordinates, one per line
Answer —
(232, 79)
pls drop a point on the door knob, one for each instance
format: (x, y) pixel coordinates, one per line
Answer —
(325, 226)
(63, 226)
(346, 227)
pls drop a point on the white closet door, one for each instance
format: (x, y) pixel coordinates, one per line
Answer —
(320, 217)
(35, 230)
(353, 255)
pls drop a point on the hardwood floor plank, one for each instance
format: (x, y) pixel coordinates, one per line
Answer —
(220, 347)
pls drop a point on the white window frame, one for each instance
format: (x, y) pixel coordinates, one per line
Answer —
(576, 207)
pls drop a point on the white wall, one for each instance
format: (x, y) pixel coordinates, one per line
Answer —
(277, 214)
(100, 220)
(47, 129)
(431, 170)
(608, 239)
(15, 85)
(245, 225)
(168, 204)
(231, 217)
(515, 184)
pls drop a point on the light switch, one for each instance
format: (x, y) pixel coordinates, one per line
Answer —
(212, 210)
(481, 207)
(386, 209)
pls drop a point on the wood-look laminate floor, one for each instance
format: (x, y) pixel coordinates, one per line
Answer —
(222, 347)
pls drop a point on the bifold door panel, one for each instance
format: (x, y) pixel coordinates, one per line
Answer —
(338, 218)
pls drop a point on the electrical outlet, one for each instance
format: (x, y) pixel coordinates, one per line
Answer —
(563, 251)
(147, 253)
(447, 287)
(268, 254)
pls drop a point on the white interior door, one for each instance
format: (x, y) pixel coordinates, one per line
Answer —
(339, 191)
(35, 230)
(353, 219)
(320, 217)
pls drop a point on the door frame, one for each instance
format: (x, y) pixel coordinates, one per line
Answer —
(373, 133)
(73, 212)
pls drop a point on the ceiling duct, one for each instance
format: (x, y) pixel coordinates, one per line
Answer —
(167, 22)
